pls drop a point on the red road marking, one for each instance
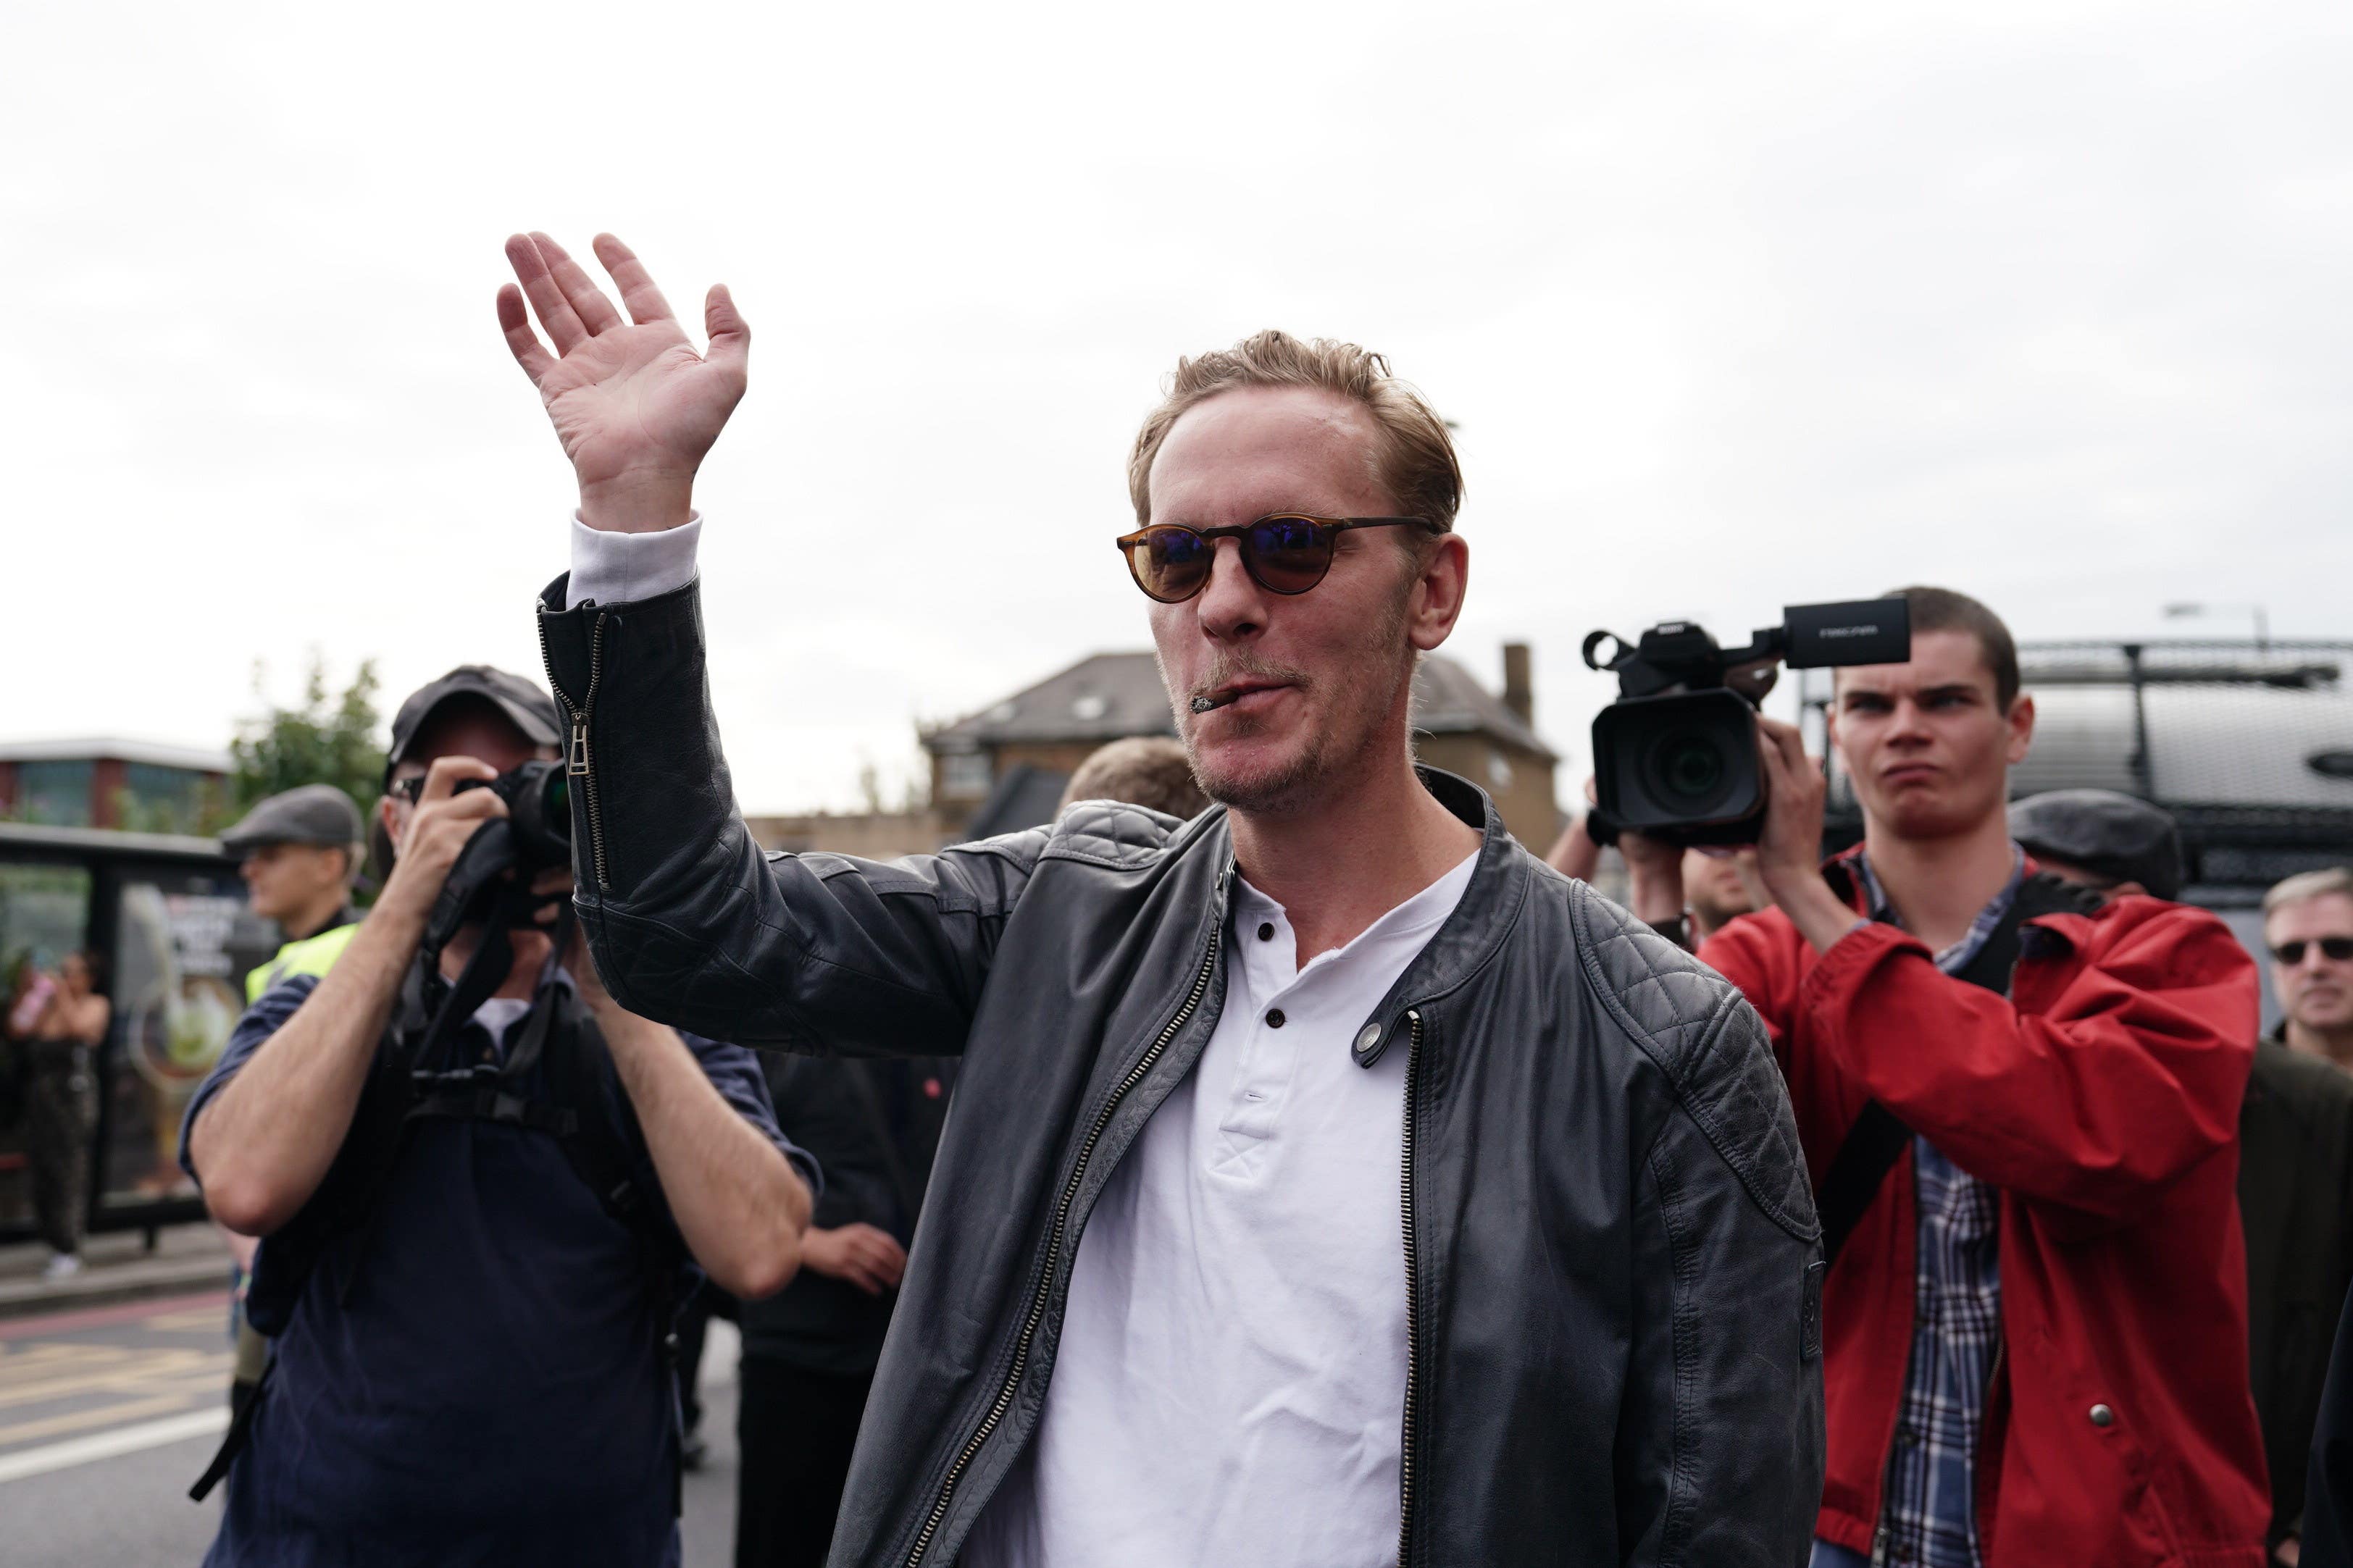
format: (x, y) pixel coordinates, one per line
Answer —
(120, 1313)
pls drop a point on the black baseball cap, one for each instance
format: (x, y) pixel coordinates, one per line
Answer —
(531, 709)
(2118, 837)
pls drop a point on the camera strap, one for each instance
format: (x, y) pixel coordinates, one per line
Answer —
(1876, 1141)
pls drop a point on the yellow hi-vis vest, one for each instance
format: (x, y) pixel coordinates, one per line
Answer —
(313, 955)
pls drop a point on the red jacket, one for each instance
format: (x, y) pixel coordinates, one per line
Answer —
(2101, 1099)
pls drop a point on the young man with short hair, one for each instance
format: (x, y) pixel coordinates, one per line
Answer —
(2021, 1114)
(1329, 1181)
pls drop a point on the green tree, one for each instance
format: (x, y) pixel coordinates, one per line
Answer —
(322, 740)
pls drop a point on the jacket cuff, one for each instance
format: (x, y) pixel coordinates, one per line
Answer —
(620, 568)
(1825, 993)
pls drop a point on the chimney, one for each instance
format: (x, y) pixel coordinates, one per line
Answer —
(1518, 695)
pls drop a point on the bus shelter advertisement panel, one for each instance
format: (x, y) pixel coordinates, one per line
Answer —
(183, 943)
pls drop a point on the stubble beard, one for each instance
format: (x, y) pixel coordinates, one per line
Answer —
(1337, 740)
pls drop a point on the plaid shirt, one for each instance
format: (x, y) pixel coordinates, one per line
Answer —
(1929, 1512)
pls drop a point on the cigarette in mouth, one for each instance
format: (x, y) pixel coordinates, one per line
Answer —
(1205, 704)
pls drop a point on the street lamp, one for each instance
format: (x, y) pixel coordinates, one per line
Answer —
(2263, 626)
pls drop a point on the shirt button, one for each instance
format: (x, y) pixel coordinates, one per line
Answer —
(2102, 1416)
(1274, 1018)
(1266, 931)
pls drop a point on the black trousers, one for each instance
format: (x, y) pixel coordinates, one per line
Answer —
(793, 1432)
(58, 1122)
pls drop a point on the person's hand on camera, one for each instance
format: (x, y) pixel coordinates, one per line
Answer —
(437, 831)
(633, 403)
(870, 1258)
(1790, 847)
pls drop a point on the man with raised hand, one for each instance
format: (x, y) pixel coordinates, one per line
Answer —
(1330, 1182)
(2021, 1112)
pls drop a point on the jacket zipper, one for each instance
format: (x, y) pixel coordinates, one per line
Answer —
(576, 752)
(1413, 1295)
(1037, 1313)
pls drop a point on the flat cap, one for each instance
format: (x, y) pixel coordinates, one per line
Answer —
(312, 814)
(531, 710)
(2114, 835)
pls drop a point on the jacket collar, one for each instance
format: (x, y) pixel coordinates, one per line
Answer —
(1490, 908)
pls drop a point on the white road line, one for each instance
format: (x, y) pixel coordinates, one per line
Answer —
(109, 1444)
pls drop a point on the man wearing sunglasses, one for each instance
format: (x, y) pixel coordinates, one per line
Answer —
(1329, 1181)
(2308, 927)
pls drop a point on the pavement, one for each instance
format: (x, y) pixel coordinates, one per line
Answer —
(117, 1266)
(108, 1413)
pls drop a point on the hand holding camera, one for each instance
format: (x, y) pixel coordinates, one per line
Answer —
(444, 820)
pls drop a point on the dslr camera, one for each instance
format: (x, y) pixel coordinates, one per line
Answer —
(500, 861)
(1676, 756)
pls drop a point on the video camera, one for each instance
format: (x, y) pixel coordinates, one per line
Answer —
(1676, 756)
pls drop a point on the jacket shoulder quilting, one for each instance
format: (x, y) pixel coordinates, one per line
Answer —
(1709, 1044)
(1110, 832)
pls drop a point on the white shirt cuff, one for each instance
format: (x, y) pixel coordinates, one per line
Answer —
(621, 568)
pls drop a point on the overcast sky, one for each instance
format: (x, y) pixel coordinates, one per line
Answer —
(1736, 306)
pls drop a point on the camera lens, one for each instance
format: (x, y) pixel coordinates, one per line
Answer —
(1688, 770)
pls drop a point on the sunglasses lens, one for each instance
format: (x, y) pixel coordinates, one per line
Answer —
(1170, 563)
(1289, 554)
(2336, 949)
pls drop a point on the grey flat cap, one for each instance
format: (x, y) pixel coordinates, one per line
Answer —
(313, 814)
(528, 708)
(2114, 835)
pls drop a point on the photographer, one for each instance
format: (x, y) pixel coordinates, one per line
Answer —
(2021, 1112)
(470, 1254)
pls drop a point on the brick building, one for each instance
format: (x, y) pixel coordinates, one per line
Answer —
(110, 782)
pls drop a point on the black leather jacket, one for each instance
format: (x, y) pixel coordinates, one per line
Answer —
(1606, 1233)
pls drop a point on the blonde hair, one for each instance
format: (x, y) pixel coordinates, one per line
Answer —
(2306, 886)
(1415, 462)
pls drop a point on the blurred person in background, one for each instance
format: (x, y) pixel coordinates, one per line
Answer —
(1150, 770)
(298, 852)
(2295, 1143)
(2308, 928)
(1304, 1151)
(58, 1022)
(481, 1191)
(2020, 1108)
(873, 1126)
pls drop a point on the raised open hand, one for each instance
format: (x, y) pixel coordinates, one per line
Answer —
(634, 405)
